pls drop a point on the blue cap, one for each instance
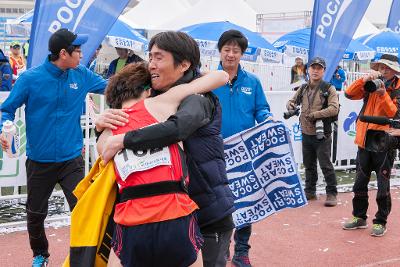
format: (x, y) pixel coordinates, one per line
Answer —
(80, 39)
(63, 38)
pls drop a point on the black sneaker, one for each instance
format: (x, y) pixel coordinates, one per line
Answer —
(241, 261)
(378, 229)
(355, 223)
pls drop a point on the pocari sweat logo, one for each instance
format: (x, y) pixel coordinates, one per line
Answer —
(246, 90)
(70, 14)
(334, 12)
(349, 124)
(73, 86)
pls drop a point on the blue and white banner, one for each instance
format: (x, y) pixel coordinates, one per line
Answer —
(262, 172)
(92, 17)
(393, 22)
(333, 26)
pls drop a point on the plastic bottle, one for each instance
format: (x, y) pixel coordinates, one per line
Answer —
(9, 132)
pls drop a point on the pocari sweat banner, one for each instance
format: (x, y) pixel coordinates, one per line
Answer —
(262, 172)
(92, 17)
(394, 17)
(333, 25)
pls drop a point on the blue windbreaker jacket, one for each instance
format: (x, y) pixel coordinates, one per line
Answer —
(53, 105)
(242, 104)
(338, 83)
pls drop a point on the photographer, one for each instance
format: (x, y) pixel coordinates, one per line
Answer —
(319, 104)
(380, 92)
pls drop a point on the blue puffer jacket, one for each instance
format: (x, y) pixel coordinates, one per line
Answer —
(53, 105)
(5, 73)
(242, 104)
(208, 185)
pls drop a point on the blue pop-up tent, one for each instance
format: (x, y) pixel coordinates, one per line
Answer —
(207, 35)
(297, 43)
(120, 35)
(124, 36)
(384, 42)
(357, 50)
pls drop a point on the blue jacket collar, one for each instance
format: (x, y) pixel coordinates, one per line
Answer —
(240, 73)
(53, 69)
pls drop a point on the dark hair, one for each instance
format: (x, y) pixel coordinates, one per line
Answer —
(69, 49)
(233, 37)
(180, 45)
(128, 83)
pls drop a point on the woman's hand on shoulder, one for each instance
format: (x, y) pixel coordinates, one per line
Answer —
(111, 118)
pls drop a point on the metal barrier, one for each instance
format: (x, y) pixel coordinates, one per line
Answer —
(273, 77)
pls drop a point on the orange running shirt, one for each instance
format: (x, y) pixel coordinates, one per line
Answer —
(169, 168)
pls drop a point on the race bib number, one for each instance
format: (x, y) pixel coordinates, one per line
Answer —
(128, 161)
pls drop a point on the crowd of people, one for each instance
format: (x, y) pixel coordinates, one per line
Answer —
(175, 207)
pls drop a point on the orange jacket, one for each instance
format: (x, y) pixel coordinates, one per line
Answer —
(376, 106)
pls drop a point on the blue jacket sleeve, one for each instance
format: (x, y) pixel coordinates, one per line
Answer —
(262, 110)
(94, 82)
(18, 96)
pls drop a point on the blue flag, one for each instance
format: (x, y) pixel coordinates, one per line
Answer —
(262, 172)
(92, 17)
(394, 17)
(333, 25)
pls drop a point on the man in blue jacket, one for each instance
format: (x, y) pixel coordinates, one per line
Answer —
(53, 94)
(338, 78)
(243, 103)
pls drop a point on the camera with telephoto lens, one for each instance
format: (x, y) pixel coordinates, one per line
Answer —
(381, 141)
(291, 113)
(373, 85)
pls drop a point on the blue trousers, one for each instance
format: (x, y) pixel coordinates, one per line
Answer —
(242, 237)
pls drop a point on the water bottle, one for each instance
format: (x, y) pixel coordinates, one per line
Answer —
(319, 129)
(9, 132)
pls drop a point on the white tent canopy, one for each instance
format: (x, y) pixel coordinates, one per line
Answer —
(150, 14)
(235, 11)
(365, 27)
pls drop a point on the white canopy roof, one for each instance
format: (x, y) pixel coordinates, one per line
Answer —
(150, 14)
(365, 27)
(235, 11)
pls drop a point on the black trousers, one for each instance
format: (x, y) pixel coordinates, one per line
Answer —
(314, 149)
(381, 163)
(215, 248)
(41, 180)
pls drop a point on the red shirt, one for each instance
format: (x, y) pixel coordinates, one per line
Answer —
(154, 208)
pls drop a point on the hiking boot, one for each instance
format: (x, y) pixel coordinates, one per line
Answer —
(378, 229)
(311, 196)
(330, 200)
(355, 223)
(241, 261)
(40, 261)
